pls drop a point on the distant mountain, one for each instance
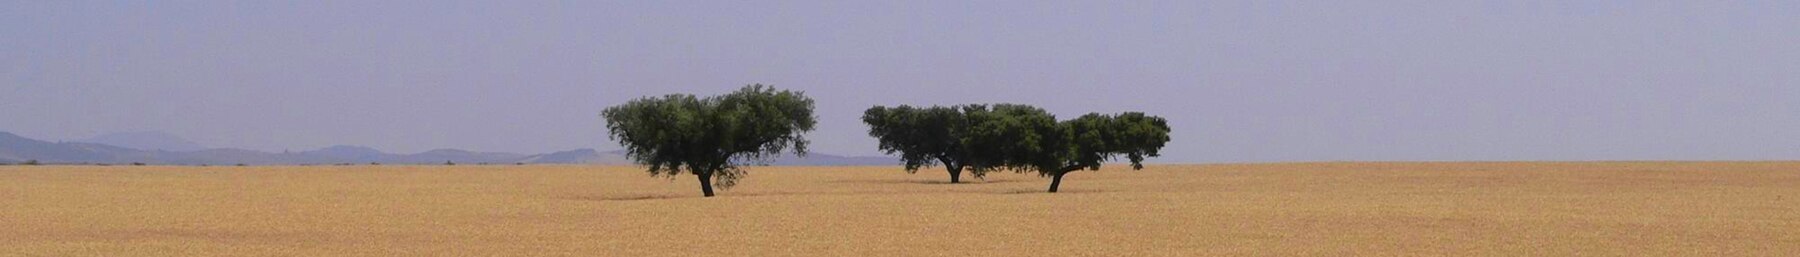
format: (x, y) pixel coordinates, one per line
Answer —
(148, 140)
(14, 148)
(811, 159)
(356, 154)
(17, 149)
(583, 156)
(458, 156)
(819, 159)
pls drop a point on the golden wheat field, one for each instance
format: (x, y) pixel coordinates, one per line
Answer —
(1329, 209)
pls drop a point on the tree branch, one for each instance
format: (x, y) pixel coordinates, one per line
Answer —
(1070, 168)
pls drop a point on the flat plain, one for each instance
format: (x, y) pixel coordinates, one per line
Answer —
(1318, 209)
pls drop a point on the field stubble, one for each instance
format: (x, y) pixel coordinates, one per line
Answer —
(1529, 209)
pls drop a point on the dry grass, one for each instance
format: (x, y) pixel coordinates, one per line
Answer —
(1512, 209)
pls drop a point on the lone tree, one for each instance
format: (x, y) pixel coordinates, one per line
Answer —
(1028, 139)
(924, 136)
(711, 137)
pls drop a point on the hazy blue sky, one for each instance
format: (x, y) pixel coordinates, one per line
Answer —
(1239, 80)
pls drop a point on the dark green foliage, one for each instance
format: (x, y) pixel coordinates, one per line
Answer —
(32, 162)
(1097, 138)
(711, 137)
(1020, 138)
(923, 136)
(1010, 136)
(1028, 139)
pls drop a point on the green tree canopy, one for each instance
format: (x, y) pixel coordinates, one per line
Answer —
(1028, 139)
(711, 137)
(923, 136)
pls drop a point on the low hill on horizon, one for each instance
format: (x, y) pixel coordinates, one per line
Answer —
(18, 149)
(146, 140)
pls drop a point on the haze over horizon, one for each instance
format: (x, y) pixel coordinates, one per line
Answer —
(1240, 81)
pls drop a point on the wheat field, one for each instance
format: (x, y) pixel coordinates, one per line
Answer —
(1320, 209)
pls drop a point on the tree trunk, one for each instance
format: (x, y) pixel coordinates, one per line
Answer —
(706, 183)
(1056, 180)
(953, 167)
(955, 174)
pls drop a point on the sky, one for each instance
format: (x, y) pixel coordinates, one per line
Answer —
(1239, 81)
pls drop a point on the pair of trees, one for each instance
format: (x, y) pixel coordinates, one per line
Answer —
(1020, 138)
(711, 137)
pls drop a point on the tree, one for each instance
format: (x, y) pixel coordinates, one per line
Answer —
(1094, 138)
(1010, 136)
(923, 136)
(711, 137)
(1026, 139)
